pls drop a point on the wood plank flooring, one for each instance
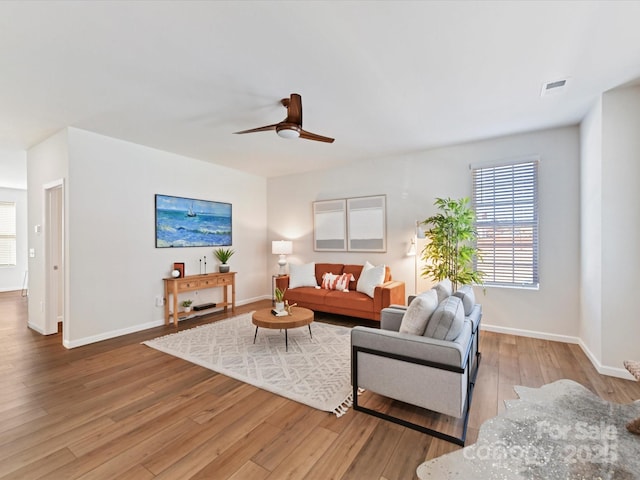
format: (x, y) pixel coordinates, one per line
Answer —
(118, 409)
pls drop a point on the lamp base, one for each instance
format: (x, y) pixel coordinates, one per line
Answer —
(282, 261)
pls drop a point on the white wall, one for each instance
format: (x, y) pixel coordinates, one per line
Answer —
(13, 188)
(46, 162)
(12, 277)
(591, 233)
(411, 183)
(114, 270)
(13, 169)
(620, 225)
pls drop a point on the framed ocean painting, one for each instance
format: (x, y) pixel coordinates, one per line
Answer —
(188, 222)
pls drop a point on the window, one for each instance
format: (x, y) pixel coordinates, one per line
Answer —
(505, 199)
(7, 234)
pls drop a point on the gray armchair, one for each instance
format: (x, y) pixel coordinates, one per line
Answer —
(432, 373)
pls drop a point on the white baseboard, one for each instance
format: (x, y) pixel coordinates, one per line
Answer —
(10, 289)
(136, 328)
(112, 334)
(36, 328)
(530, 333)
(602, 369)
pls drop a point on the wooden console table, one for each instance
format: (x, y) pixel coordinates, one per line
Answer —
(190, 283)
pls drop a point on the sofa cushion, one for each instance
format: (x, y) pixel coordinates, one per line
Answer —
(307, 295)
(322, 268)
(336, 282)
(465, 293)
(370, 278)
(419, 312)
(348, 301)
(444, 288)
(447, 321)
(302, 275)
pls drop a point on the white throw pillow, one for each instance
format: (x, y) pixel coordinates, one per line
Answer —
(444, 289)
(370, 278)
(302, 275)
(419, 312)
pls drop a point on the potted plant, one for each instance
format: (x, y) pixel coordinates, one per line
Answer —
(187, 305)
(450, 248)
(223, 255)
(279, 295)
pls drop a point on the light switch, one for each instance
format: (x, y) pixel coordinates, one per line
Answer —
(32, 252)
(37, 228)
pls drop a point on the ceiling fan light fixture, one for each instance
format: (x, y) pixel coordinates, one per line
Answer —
(288, 132)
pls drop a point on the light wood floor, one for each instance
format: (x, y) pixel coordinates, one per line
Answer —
(118, 409)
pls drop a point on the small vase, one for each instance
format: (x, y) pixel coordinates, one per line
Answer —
(223, 268)
(187, 309)
(279, 306)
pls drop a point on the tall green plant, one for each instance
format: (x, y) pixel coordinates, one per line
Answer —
(450, 249)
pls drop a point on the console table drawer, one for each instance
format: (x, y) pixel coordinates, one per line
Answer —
(188, 285)
(224, 280)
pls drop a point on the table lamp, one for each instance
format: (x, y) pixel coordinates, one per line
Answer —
(282, 248)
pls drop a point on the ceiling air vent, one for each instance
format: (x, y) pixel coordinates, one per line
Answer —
(554, 87)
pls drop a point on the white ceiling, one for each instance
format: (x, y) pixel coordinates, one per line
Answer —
(381, 77)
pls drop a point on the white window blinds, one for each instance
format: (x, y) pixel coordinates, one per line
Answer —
(7, 233)
(505, 199)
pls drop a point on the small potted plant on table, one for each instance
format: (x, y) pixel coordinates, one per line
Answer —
(187, 305)
(279, 295)
(223, 255)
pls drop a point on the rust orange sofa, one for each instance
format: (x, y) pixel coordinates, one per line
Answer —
(351, 303)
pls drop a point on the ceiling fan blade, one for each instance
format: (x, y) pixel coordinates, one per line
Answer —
(294, 109)
(314, 136)
(260, 129)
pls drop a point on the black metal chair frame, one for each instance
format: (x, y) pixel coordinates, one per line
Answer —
(471, 379)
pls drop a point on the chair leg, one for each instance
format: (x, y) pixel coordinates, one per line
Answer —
(471, 379)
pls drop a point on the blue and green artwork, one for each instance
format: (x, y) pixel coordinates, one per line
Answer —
(187, 222)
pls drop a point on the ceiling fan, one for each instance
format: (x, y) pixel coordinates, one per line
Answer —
(291, 127)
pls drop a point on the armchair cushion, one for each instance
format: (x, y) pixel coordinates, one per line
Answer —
(414, 346)
(465, 293)
(447, 321)
(444, 288)
(419, 312)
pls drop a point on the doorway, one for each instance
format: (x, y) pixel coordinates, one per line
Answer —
(54, 258)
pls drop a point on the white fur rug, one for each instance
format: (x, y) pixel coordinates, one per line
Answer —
(558, 431)
(314, 371)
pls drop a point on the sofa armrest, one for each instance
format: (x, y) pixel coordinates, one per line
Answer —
(388, 293)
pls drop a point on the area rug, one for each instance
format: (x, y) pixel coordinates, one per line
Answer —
(558, 431)
(314, 371)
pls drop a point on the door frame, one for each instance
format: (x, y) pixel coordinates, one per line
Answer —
(54, 223)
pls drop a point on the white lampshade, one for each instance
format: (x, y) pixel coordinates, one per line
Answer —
(282, 247)
(412, 252)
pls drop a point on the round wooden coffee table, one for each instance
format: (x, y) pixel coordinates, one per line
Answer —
(299, 318)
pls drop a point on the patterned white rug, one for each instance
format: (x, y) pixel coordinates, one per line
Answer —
(314, 371)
